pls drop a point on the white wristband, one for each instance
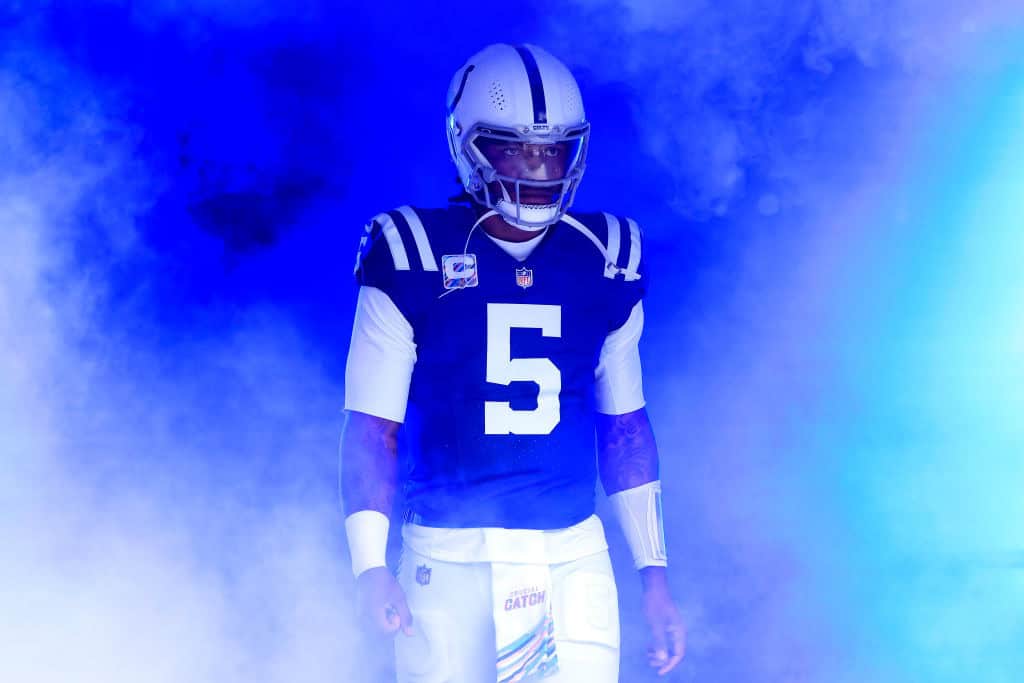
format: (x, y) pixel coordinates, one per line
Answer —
(367, 532)
(639, 513)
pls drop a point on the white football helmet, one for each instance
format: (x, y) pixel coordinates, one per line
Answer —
(517, 133)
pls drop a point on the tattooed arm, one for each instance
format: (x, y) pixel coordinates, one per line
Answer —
(626, 453)
(369, 467)
(627, 458)
(369, 463)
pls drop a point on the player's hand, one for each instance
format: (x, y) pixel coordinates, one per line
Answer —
(382, 603)
(668, 634)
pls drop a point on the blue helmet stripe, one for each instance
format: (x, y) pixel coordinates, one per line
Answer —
(540, 107)
(462, 86)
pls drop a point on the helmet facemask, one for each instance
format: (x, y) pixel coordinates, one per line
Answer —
(529, 179)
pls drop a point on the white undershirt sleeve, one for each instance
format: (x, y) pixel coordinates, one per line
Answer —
(618, 381)
(380, 358)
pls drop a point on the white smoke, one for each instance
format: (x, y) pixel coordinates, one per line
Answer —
(793, 126)
(716, 88)
(136, 543)
(137, 547)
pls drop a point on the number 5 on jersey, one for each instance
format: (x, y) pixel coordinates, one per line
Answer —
(499, 417)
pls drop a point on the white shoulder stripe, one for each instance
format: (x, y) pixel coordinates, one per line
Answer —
(613, 237)
(634, 250)
(398, 254)
(420, 235)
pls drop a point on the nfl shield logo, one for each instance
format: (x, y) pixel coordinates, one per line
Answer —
(423, 574)
(524, 277)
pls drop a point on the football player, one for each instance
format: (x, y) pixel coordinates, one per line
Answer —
(499, 334)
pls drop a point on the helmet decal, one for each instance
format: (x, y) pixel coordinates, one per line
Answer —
(462, 86)
(540, 108)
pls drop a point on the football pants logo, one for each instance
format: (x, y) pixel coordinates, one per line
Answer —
(423, 574)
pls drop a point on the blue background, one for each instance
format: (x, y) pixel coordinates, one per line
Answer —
(830, 192)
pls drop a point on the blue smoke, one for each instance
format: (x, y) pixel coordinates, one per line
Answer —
(181, 191)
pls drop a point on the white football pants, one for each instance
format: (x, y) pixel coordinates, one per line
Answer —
(454, 640)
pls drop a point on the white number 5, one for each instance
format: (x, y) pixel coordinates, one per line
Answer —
(499, 417)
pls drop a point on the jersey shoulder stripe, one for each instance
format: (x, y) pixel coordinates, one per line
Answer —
(630, 261)
(614, 238)
(403, 231)
(411, 224)
(385, 224)
(446, 228)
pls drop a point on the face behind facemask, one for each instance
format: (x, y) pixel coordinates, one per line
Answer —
(528, 179)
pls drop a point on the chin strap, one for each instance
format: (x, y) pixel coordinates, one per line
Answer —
(487, 214)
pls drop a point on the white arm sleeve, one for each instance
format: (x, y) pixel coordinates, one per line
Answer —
(618, 382)
(380, 358)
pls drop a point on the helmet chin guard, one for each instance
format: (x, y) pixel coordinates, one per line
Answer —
(520, 97)
(530, 217)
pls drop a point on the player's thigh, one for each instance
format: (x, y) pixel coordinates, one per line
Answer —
(586, 611)
(453, 634)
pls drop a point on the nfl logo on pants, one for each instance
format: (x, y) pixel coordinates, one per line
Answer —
(524, 277)
(423, 575)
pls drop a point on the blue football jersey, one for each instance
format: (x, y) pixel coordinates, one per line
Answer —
(501, 407)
